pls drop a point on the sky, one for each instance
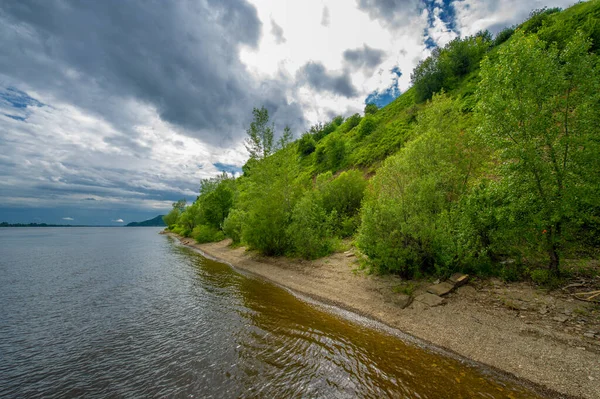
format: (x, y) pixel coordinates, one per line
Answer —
(112, 110)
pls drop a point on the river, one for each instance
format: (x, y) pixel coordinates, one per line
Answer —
(126, 312)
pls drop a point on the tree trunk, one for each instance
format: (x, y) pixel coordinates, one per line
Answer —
(553, 238)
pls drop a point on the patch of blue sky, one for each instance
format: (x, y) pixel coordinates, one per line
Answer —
(15, 102)
(223, 167)
(447, 15)
(16, 117)
(381, 98)
(17, 98)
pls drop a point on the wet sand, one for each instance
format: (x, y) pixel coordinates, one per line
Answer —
(479, 321)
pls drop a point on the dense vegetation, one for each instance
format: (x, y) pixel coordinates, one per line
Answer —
(488, 164)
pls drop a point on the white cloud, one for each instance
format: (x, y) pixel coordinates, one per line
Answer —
(68, 218)
(118, 221)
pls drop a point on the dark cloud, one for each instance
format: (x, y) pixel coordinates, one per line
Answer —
(325, 16)
(277, 32)
(365, 58)
(390, 12)
(316, 76)
(180, 58)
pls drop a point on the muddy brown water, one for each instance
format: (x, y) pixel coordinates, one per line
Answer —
(115, 312)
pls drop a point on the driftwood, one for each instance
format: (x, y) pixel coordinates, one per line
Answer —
(583, 296)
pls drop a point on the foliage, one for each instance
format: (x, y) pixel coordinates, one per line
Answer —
(170, 218)
(503, 36)
(407, 216)
(215, 200)
(371, 109)
(306, 145)
(233, 224)
(310, 229)
(366, 126)
(268, 198)
(445, 67)
(341, 198)
(538, 108)
(259, 142)
(204, 233)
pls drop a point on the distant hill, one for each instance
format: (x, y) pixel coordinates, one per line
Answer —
(156, 222)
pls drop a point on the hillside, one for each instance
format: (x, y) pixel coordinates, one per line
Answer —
(487, 164)
(154, 222)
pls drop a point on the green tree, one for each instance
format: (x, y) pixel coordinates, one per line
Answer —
(267, 198)
(259, 142)
(539, 109)
(371, 109)
(306, 144)
(170, 218)
(286, 138)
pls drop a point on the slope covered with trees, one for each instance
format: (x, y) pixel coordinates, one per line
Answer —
(489, 164)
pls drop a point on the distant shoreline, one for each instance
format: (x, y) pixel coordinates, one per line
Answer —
(17, 225)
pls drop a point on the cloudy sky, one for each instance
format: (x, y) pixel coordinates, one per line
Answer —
(111, 110)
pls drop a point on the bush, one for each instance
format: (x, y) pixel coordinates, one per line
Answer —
(503, 36)
(232, 226)
(371, 109)
(306, 145)
(310, 230)
(351, 123)
(204, 233)
(343, 195)
(367, 126)
(541, 276)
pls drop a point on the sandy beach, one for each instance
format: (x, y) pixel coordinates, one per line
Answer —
(549, 341)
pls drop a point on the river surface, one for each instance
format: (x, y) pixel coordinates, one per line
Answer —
(126, 312)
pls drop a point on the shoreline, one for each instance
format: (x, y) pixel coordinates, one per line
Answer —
(506, 339)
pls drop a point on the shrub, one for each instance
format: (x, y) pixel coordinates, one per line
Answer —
(343, 195)
(367, 126)
(310, 230)
(371, 109)
(351, 123)
(232, 226)
(204, 233)
(306, 145)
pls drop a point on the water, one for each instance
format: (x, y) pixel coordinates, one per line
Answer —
(117, 312)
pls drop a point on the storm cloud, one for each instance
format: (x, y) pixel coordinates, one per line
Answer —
(319, 78)
(391, 12)
(365, 58)
(179, 58)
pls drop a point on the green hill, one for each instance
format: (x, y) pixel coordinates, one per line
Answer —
(154, 222)
(487, 164)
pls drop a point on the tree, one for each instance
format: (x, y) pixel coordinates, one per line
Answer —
(285, 139)
(371, 109)
(539, 110)
(170, 218)
(306, 144)
(259, 142)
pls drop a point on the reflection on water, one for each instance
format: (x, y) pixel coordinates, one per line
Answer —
(121, 312)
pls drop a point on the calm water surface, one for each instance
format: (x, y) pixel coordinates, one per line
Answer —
(116, 312)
